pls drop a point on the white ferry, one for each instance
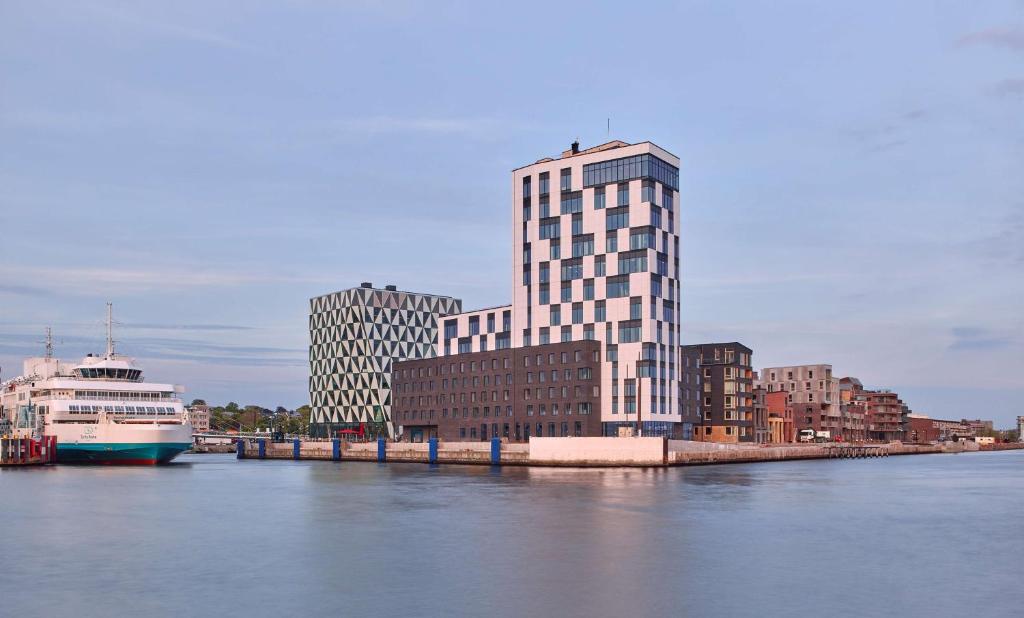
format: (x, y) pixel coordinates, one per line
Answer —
(100, 410)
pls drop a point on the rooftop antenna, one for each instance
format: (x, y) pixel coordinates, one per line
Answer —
(608, 128)
(49, 343)
(110, 331)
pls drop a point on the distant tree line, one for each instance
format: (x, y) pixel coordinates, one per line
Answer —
(250, 417)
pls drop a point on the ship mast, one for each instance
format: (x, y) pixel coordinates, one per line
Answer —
(49, 343)
(110, 332)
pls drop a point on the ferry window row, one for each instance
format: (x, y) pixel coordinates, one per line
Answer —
(147, 410)
(124, 395)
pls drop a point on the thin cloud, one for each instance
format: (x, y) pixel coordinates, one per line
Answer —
(1008, 88)
(87, 280)
(200, 327)
(1006, 38)
(970, 338)
(375, 125)
(23, 290)
(163, 27)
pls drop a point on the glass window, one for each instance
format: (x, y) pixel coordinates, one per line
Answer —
(635, 308)
(588, 289)
(572, 202)
(616, 218)
(556, 315)
(599, 266)
(617, 287)
(552, 228)
(582, 245)
(572, 269)
(599, 198)
(566, 292)
(642, 238)
(599, 311)
(543, 182)
(632, 262)
(577, 313)
(565, 183)
(623, 194)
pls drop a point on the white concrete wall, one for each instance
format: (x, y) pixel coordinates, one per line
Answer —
(595, 451)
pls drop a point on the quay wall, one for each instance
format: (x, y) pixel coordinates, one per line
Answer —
(598, 451)
(584, 452)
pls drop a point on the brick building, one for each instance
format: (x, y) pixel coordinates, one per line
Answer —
(884, 418)
(812, 393)
(727, 377)
(512, 393)
(780, 418)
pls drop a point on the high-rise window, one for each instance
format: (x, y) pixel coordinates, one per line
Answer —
(545, 294)
(526, 253)
(599, 266)
(588, 332)
(543, 181)
(555, 249)
(577, 313)
(582, 245)
(577, 224)
(617, 287)
(632, 262)
(623, 194)
(635, 308)
(599, 311)
(599, 198)
(666, 198)
(544, 273)
(642, 237)
(588, 289)
(506, 321)
(647, 191)
(566, 296)
(474, 325)
(566, 180)
(572, 202)
(629, 331)
(451, 329)
(655, 216)
(616, 218)
(490, 322)
(572, 268)
(526, 187)
(526, 212)
(611, 242)
(545, 207)
(627, 168)
(566, 336)
(556, 315)
(550, 228)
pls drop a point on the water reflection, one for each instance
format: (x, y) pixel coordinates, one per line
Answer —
(285, 538)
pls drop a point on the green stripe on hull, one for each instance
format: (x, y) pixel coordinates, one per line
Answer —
(112, 453)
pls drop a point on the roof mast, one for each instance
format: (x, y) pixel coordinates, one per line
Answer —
(110, 332)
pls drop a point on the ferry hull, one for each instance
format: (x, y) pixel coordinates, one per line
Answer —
(120, 454)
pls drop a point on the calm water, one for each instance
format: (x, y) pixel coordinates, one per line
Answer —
(938, 535)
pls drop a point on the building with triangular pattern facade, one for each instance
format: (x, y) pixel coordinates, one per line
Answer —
(355, 336)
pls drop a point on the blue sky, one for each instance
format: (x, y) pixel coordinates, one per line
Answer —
(851, 175)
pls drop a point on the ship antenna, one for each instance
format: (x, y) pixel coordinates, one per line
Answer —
(110, 332)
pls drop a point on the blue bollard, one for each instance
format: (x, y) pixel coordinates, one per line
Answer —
(263, 448)
(336, 450)
(240, 449)
(382, 450)
(495, 451)
(432, 445)
(296, 448)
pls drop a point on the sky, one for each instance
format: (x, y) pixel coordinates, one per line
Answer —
(851, 182)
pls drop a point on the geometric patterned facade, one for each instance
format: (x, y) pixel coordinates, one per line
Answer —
(355, 335)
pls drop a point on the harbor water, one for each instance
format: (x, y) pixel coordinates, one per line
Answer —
(927, 535)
